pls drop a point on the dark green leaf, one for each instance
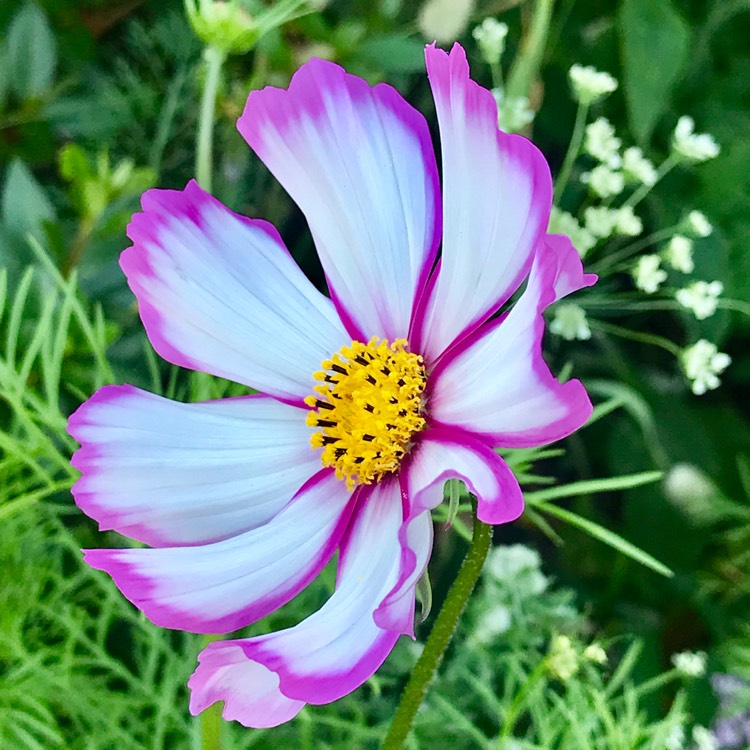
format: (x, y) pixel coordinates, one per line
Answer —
(655, 43)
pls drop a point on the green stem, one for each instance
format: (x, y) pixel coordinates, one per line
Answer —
(664, 168)
(634, 247)
(214, 60)
(78, 247)
(573, 150)
(734, 304)
(642, 338)
(528, 62)
(440, 637)
(515, 708)
(211, 717)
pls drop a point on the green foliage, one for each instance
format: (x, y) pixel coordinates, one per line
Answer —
(655, 45)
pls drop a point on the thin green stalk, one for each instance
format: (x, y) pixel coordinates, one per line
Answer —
(664, 168)
(529, 60)
(211, 717)
(643, 338)
(734, 304)
(573, 150)
(515, 708)
(440, 637)
(634, 247)
(214, 60)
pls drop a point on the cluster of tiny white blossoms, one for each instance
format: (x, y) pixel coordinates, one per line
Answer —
(693, 146)
(690, 663)
(703, 363)
(514, 113)
(590, 84)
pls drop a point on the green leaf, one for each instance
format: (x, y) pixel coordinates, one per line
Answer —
(31, 52)
(655, 41)
(24, 204)
(605, 535)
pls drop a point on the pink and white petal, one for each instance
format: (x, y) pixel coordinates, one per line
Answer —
(570, 276)
(396, 611)
(250, 691)
(359, 163)
(221, 587)
(497, 194)
(496, 384)
(170, 474)
(338, 647)
(218, 292)
(444, 454)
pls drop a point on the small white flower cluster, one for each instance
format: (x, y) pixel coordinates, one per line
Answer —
(561, 222)
(701, 298)
(703, 363)
(675, 740)
(648, 274)
(589, 84)
(493, 623)
(690, 663)
(602, 144)
(595, 653)
(604, 181)
(513, 112)
(693, 146)
(679, 254)
(698, 224)
(570, 322)
(603, 222)
(562, 659)
(444, 21)
(509, 562)
(490, 38)
(637, 167)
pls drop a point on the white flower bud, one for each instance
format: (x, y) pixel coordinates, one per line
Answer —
(589, 84)
(600, 221)
(594, 652)
(690, 663)
(693, 146)
(570, 322)
(444, 20)
(603, 181)
(513, 113)
(698, 224)
(627, 223)
(562, 659)
(637, 167)
(601, 142)
(703, 363)
(647, 273)
(679, 254)
(704, 739)
(490, 38)
(701, 298)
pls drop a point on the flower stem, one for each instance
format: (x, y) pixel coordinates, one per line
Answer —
(666, 166)
(440, 637)
(642, 338)
(211, 717)
(214, 60)
(516, 706)
(573, 150)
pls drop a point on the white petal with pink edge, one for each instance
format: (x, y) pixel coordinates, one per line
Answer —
(337, 648)
(444, 454)
(250, 691)
(221, 587)
(359, 163)
(169, 474)
(497, 194)
(220, 293)
(496, 383)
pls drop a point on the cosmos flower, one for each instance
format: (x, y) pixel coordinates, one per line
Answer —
(367, 401)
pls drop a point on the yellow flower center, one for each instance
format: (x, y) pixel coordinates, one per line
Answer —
(368, 407)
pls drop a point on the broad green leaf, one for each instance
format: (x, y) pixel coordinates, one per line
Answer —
(654, 42)
(24, 204)
(31, 52)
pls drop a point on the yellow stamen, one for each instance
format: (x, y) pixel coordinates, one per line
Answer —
(367, 406)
